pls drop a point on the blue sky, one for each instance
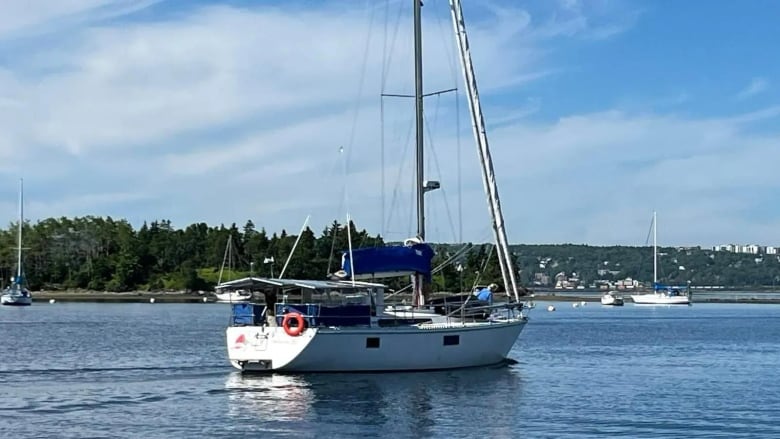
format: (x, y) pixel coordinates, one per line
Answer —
(599, 112)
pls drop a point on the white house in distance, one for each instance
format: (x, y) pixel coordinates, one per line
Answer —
(751, 249)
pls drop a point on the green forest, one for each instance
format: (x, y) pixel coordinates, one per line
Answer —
(105, 254)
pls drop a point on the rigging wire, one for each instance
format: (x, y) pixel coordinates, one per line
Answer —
(388, 51)
(385, 64)
(355, 115)
(458, 149)
(438, 169)
(344, 201)
(400, 172)
(361, 81)
(449, 52)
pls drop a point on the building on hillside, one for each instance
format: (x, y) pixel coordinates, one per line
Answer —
(541, 279)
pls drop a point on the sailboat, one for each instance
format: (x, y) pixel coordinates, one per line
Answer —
(16, 294)
(662, 294)
(229, 295)
(340, 324)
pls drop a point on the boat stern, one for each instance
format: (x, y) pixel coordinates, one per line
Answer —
(264, 348)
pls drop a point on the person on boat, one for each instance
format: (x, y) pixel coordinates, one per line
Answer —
(486, 294)
(271, 297)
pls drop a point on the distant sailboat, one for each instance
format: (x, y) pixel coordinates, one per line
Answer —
(662, 294)
(16, 294)
(228, 295)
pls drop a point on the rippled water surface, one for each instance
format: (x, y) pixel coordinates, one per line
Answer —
(159, 370)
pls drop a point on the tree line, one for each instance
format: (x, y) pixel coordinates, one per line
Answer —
(106, 254)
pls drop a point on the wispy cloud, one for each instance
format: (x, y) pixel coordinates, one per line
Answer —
(36, 17)
(593, 20)
(220, 113)
(756, 86)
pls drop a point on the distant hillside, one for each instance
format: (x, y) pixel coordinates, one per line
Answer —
(675, 265)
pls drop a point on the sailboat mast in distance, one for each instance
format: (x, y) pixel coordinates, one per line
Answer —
(655, 248)
(19, 238)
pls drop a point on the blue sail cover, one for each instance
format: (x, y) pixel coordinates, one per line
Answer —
(662, 287)
(390, 261)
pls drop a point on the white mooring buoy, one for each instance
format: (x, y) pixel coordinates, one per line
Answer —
(52, 300)
(551, 308)
(205, 300)
(151, 300)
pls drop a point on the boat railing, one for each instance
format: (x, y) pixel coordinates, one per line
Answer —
(509, 306)
(315, 315)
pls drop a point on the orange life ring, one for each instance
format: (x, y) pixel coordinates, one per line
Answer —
(293, 331)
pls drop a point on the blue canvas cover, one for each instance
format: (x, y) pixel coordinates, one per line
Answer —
(247, 313)
(390, 261)
(321, 315)
(669, 288)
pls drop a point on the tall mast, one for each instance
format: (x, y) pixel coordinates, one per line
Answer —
(418, 280)
(19, 238)
(480, 134)
(655, 249)
(418, 107)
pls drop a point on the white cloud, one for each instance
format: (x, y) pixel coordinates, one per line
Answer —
(756, 86)
(598, 176)
(221, 114)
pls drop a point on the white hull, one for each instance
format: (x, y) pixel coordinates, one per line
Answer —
(15, 300)
(232, 297)
(264, 348)
(660, 299)
(609, 299)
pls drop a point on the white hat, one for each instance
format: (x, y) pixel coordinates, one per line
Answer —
(493, 287)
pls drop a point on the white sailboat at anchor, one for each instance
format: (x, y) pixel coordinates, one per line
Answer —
(662, 294)
(229, 295)
(16, 294)
(341, 325)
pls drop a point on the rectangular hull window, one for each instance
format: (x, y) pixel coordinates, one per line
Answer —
(372, 342)
(451, 340)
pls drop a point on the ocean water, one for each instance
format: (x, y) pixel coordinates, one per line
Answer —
(160, 371)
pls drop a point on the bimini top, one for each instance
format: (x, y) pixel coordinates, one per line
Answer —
(259, 283)
(389, 261)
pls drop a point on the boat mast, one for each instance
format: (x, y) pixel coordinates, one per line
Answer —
(19, 238)
(655, 249)
(488, 177)
(418, 279)
(418, 108)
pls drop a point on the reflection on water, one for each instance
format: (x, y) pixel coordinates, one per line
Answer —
(277, 397)
(408, 404)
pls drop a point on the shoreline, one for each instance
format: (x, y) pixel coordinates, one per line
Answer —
(208, 297)
(126, 297)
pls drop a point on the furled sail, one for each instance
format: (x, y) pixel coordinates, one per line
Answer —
(389, 261)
